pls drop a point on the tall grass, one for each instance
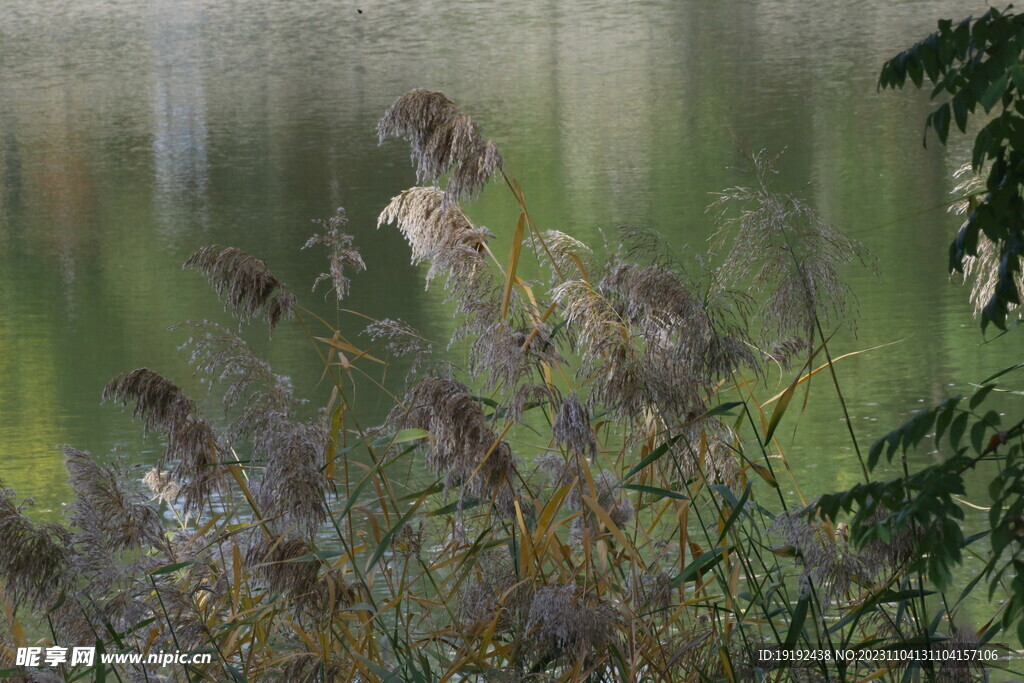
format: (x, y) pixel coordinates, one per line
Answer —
(603, 501)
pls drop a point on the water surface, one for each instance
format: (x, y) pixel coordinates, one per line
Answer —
(132, 133)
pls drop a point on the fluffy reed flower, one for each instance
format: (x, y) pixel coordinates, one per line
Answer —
(565, 255)
(784, 247)
(442, 139)
(225, 357)
(571, 427)
(633, 373)
(342, 254)
(34, 558)
(566, 625)
(329, 593)
(400, 338)
(158, 401)
(504, 354)
(104, 506)
(294, 485)
(492, 591)
(441, 234)
(283, 564)
(162, 485)
(786, 351)
(707, 448)
(830, 562)
(463, 448)
(676, 320)
(963, 667)
(528, 396)
(191, 443)
(245, 282)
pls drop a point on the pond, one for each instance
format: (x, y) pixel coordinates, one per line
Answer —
(132, 133)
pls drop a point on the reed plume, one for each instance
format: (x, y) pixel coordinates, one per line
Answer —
(105, 506)
(342, 255)
(284, 565)
(564, 255)
(191, 443)
(567, 625)
(442, 139)
(830, 561)
(245, 282)
(463, 449)
(493, 594)
(293, 484)
(162, 485)
(503, 355)
(781, 245)
(571, 428)
(34, 558)
(400, 339)
(441, 234)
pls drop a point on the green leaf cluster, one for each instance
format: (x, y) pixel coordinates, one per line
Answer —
(976, 70)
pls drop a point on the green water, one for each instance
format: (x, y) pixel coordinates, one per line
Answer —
(132, 133)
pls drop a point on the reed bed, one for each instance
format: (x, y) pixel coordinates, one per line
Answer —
(604, 500)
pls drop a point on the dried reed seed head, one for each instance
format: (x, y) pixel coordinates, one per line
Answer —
(441, 233)
(433, 228)
(224, 356)
(492, 591)
(194, 451)
(342, 255)
(567, 625)
(599, 327)
(191, 443)
(566, 256)
(830, 563)
(34, 558)
(789, 350)
(653, 296)
(463, 448)
(162, 485)
(294, 485)
(504, 354)
(529, 396)
(442, 139)
(571, 427)
(674, 318)
(330, 593)
(283, 564)
(708, 448)
(965, 666)
(780, 244)
(158, 401)
(103, 504)
(245, 282)
(400, 338)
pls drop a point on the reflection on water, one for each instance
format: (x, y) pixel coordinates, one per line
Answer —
(133, 132)
(181, 173)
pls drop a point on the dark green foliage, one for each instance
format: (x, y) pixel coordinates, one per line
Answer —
(976, 68)
(925, 502)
